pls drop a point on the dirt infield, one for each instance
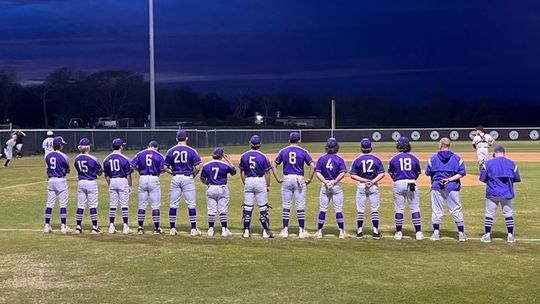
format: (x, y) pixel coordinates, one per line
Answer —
(469, 180)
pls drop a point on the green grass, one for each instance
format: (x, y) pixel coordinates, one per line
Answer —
(106, 268)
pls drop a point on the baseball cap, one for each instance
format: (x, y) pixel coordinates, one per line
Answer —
(218, 152)
(84, 142)
(153, 143)
(404, 140)
(331, 142)
(50, 133)
(118, 142)
(365, 143)
(294, 137)
(181, 134)
(255, 140)
(59, 141)
(499, 149)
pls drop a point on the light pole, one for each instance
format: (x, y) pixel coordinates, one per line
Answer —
(152, 76)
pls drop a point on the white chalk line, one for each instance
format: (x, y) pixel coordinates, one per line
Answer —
(22, 185)
(258, 236)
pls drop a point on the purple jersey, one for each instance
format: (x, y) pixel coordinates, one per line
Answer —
(116, 165)
(149, 162)
(293, 159)
(404, 165)
(87, 166)
(254, 163)
(367, 166)
(57, 164)
(445, 164)
(182, 159)
(330, 166)
(215, 172)
(500, 174)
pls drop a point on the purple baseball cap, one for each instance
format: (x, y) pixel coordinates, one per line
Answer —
(255, 140)
(218, 152)
(181, 134)
(499, 149)
(118, 142)
(84, 142)
(294, 137)
(365, 143)
(331, 142)
(59, 141)
(153, 143)
(404, 140)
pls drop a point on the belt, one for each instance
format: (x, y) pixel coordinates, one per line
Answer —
(51, 177)
(183, 175)
(87, 179)
(149, 174)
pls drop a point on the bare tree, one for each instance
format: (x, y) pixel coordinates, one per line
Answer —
(8, 85)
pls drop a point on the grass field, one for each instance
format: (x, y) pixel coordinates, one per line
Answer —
(56, 268)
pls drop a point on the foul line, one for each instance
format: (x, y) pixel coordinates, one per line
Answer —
(22, 185)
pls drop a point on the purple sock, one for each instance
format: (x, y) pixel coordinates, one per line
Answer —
(80, 212)
(48, 213)
(125, 214)
(63, 215)
(488, 223)
(247, 219)
(223, 219)
(322, 218)
(156, 216)
(301, 218)
(264, 219)
(192, 213)
(417, 221)
(285, 215)
(211, 220)
(509, 221)
(112, 214)
(172, 217)
(140, 217)
(436, 226)
(339, 219)
(399, 221)
(93, 216)
(375, 219)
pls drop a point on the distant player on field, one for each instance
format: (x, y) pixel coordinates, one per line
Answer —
(150, 164)
(47, 144)
(19, 142)
(214, 174)
(404, 168)
(330, 170)
(499, 174)
(368, 170)
(481, 142)
(184, 163)
(293, 185)
(8, 150)
(57, 187)
(117, 171)
(446, 169)
(255, 174)
(88, 169)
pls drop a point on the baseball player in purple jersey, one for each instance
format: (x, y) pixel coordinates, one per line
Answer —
(499, 174)
(404, 169)
(150, 164)
(214, 174)
(330, 170)
(255, 174)
(117, 171)
(367, 169)
(446, 169)
(88, 169)
(183, 163)
(293, 185)
(57, 187)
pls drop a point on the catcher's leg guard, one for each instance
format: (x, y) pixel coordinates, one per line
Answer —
(246, 215)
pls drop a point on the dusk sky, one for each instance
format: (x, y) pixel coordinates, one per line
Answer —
(406, 49)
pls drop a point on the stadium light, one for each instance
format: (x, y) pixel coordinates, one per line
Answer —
(152, 76)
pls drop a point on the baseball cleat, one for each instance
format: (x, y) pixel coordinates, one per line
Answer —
(318, 234)
(510, 238)
(112, 229)
(377, 235)
(78, 230)
(195, 232)
(47, 228)
(419, 236)
(140, 230)
(435, 236)
(462, 237)
(398, 236)
(342, 234)
(225, 232)
(126, 229)
(65, 229)
(96, 230)
(284, 233)
(210, 231)
(302, 233)
(359, 234)
(172, 231)
(486, 238)
(246, 233)
(157, 231)
(267, 234)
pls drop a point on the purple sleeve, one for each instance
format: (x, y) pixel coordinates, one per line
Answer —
(418, 169)
(517, 176)
(279, 159)
(241, 164)
(127, 166)
(428, 168)
(391, 168)
(169, 161)
(308, 159)
(162, 163)
(483, 174)
(231, 170)
(462, 170)
(354, 168)
(204, 176)
(135, 161)
(319, 166)
(342, 166)
(380, 167)
(196, 159)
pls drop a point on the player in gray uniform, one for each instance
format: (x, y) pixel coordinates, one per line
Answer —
(47, 143)
(255, 174)
(446, 169)
(8, 150)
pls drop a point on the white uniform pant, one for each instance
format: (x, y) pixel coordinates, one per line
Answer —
(451, 198)
(335, 195)
(87, 194)
(506, 205)
(482, 154)
(119, 192)
(57, 188)
(255, 189)
(217, 199)
(19, 147)
(149, 189)
(183, 185)
(293, 187)
(364, 193)
(8, 152)
(403, 195)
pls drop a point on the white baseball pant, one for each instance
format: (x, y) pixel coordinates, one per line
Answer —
(8, 152)
(119, 192)
(451, 198)
(402, 194)
(87, 193)
(293, 187)
(57, 188)
(363, 193)
(335, 194)
(255, 190)
(217, 199)
(506, 205)
(482, 154)
(149, 189)
(183, 185)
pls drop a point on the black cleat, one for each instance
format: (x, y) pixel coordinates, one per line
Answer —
(359, 235)
(96, 230)
(157, 231)
(377, 236)
(140, 230)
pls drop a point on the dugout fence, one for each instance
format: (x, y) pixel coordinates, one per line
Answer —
(139, 138)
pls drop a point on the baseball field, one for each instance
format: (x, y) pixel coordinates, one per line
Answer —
(56, 268)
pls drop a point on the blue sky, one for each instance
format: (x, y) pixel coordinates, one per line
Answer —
(469, 49)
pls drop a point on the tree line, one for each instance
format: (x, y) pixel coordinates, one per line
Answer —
(69, 93)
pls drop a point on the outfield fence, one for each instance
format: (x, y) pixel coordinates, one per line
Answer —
(139, 138)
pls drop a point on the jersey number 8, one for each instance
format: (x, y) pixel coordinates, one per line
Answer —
(292, 158)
